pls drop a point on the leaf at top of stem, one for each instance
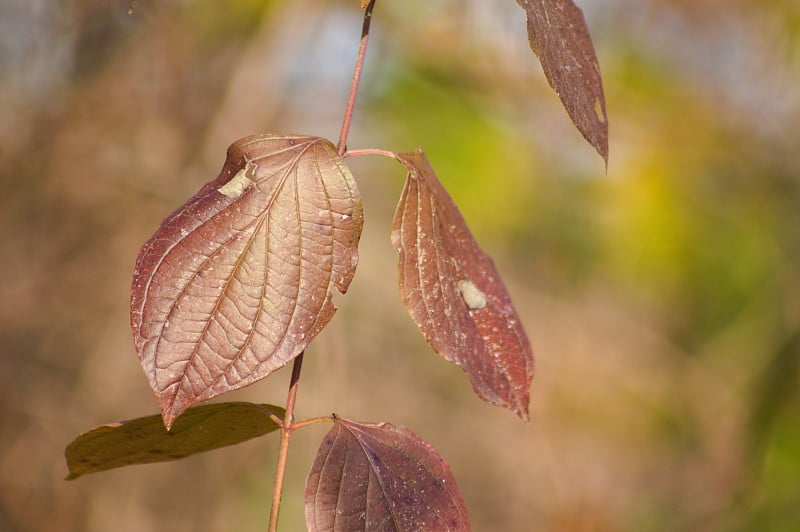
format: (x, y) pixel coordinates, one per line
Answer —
(238, 281)
(454, 293)
(145, 441)
(560, 39)
(381, 477)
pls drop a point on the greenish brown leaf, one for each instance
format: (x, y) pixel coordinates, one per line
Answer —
(145, 440)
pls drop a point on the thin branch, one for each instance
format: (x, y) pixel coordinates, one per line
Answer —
(286, 435)
(371, 151)
(312, 421)
(288, 424)
(351, 99)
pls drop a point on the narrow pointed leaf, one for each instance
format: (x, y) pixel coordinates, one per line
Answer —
(381, 477)
(239, 280)
(560, 39)
(145, 440)
(454, 293)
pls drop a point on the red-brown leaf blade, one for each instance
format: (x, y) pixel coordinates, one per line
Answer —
(381, 477)
(145, 440)
(454, 293)
(239, 280)
(560, 39)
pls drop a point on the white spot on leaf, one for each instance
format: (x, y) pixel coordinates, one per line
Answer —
(474, 298)
(239, 183)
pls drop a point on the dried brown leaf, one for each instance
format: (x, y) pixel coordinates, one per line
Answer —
(560, 39)
(239, 280)
(381, 477)
(454, 293)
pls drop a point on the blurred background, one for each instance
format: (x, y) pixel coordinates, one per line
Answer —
(662, 295)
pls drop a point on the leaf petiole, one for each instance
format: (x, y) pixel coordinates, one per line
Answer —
(312, 421)
(371, 151)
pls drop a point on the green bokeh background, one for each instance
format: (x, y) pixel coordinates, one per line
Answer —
(662, 294)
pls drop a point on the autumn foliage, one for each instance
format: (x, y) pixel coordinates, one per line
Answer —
(239, 280)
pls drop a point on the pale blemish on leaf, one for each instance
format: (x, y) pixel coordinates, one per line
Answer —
(239, 183)
(267, 304)
(473, 297)
(598, 111)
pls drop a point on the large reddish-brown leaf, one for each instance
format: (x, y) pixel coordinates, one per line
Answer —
(454, 293)
(239, 280)
(381, 477)
(559, 37)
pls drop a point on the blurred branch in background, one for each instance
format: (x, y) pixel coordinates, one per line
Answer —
(661, 296)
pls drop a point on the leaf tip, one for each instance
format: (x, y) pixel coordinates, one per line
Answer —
(169, 416)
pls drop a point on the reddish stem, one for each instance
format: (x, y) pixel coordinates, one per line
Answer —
(371, 151)
(312, 421)
(351, 99)
(286, 436)
(288, 424)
